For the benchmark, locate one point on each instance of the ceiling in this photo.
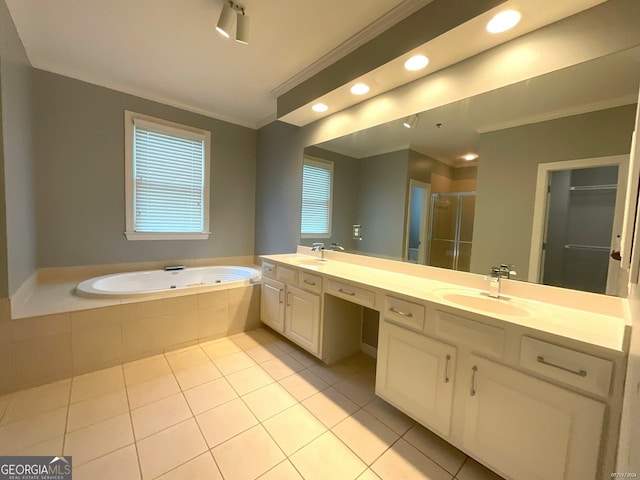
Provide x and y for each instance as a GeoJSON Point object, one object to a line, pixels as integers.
{"type": "Point", "coordinates": [169, 51]}
{"type": "Point", "coordinates": [605, 82]}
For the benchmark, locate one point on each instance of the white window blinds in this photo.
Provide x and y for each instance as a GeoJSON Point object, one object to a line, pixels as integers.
{"type": "Point", "coordinates": [316, 198]}
{"type": "Point", "coordinates": [169, 183]}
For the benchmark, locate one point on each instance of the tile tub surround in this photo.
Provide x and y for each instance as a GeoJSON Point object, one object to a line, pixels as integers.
{"type": "Point", "coordinates": [44, 348]}
{"type": "Point", "coordinates": [179, 415]}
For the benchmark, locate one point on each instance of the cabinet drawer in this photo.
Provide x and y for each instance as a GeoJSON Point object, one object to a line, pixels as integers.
{"type": "Point", "coordinates": [269, 269]}
{"type": "Point", "coordinates": [287, 275]}
{"type": "Point", "coordinates": [574, 368]}
{"type": "Point", "coordinates": [404, 313]}
{"type": "Point", "coordinates": [352, 293]}
{"type": "Point", "coordinates": [311, 283]}
{"type": "Point", "coordinates": [478, 336]}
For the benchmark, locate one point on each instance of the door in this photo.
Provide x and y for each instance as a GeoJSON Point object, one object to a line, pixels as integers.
{"type": "Point", "coordinates": [302, 324]}
{"type": "Point", "coordinates": [563, 428]}
{"type": "Point", "coordinates": [417, 221]}
{"type": "Point", "coordinates": [272, 304]}
{"type": "Point", "coordinates": [416, 374]}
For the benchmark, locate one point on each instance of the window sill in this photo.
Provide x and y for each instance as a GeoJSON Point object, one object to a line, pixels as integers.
{"type": "Point", "coordinates": [166, 236]}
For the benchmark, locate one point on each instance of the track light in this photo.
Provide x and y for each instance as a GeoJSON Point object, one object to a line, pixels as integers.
{"type": "Point", "coordinates": [411, 121]}
{"type": "Point", "coordinates": [225, 22]}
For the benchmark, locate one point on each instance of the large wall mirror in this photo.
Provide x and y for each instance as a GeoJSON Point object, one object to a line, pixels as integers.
{"type": "Point", "coordinates": [554, 147]}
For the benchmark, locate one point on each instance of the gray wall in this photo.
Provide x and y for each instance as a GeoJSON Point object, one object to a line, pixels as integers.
{"type": "Point", "coordinates": [80, 209]}
{"type": "Point", "coordinates": [507, 172]}
{"type": "Point", "coordinates": [18, 255]}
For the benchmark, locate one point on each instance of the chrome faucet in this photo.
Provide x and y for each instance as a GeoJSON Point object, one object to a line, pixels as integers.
{"type": "Point", "coordinates": [319, 247]}
{"type": "Point", "coordinates": [337, 246]}
{"type": "Point", "coordinates": [503, 271]}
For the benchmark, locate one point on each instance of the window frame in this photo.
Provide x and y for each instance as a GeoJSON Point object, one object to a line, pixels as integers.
{"type": "Point", "coordinates": [170, 128]}
{"type": "Point", "coordinates": [328, 165]}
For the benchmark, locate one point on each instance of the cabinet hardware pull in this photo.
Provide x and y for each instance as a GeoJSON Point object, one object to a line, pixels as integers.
{"type": "Point", "coordinates": [446, 368]}
{"type": "Point", "coordinates": [268, 269]}
{"type": "Point", "coordinates": [582, 373]}
{"type": "Point", "coordinates": [398, 312]}
{"type": "Point", "coordinates": [280, 292]}
{"type": "Point", "coordinates": [474, 369]}
{"type": "Point", "coordinates": [353, 294]}
{"type": "Point", "coordinates": [308, 282]}
{"type": "Point", "coordinates": [288, 299]}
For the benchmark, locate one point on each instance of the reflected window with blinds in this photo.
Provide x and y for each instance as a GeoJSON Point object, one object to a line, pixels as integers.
{"type": "Point", "coordinates": [167, 179]}
{"type": "Point", "coordinates": [317, 183]}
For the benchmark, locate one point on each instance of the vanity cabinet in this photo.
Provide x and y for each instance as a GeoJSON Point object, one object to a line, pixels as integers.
{"type": "Point", "coordinates": [529, 429]}
{"type": "Point", "coordinates": [416, 374]}
{"type": "Point", "coordinates": [302, 319]}
{"type": "Point", "coordinates": [272, 307]}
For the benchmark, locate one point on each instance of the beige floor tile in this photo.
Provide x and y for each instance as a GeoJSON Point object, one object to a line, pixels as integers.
{"type": "Point", "coordinates": [330, 406]}
{"type": "Point", "coordinates": [170, 448]}
{"type": "Point", "coordinates": [283, 471]}
{"type": "Point", "coordinates": [234, 363]}
{"type": "Point", "coordinates": [97, 383]}
{"type": "Point", "coordinates": [249, 379]}
{"type": "Point", "coordinates": [365, 435]}
{"type": "Point", "coordinates": [159, 415]}
{"type": "Point", "coordinates": [187, 357]}
{"type": "Point", "coordinates": [389, 415]}
{"type": "Point", "coordinates": [34, 401]}
{"type": "Point", "coordinates": [122, 463]}
{"type": "Point", "coordinates": [201, 467]}
{"type": "Point", "coordinates": [303, 357]}
{"type": "Point", "coordinates": [48, 447]}
{"type": "Point", "coordinates": [226, 421]}
{"type": "Point", "coordinates": [32, 431]}
{"type": "Point", "coordinates": [209, 395]}
{"type": "Point", "coordinates": [295, 419]}
{"type": "Point", "coordinates": [99, 439]}
{"type": "Point", "coordinates": [361, 363]}
{"type": "Point", "coordinates": [264, 353]}
{"type": "Point", "coordinates": [149, 391]}
{"type": "Point", "coordinates": [232, 456]}
{"type": "Point", "coordinates": [268, 401]}
{"type": "Point", "coordinates": [332, 373]}
{"type": "Point", "coordinates": [358, 388]}
{"type": "Point", "coordinates": [327, 457]}
{"type": "Point", "coordinates": [220, 348]}
{"type": "Point", "coordinates": [404, 461]}
{"type": "Point", "coordinates": [282, 367]}
{"type": "Point", "coordinates": [472, 470]}
{"type": "Point", "coordinates": [146, 369]}
{"type": "Point", "coordinates": [97, 409]}
{"type": "Point", "coordinates": [434, 447]}
{"type": "Point", "coordinates": [248, 340]}
{"type": "Point", "coordinates": [368, 475]}
{"type": "Point", "coordinates": [195, 375]}
{"type": "Point", "coordinates": [5, 403]}
{"type": "Point", "coordinates": [303, 384]}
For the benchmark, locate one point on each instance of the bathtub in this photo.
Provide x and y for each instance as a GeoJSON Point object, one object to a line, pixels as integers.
{"type": "Point", "coordinates": [153, 282]}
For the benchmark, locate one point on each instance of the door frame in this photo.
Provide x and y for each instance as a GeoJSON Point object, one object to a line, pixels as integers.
{"type": "Point", "coordinates": [540, 206]}
{"type": "Point", "coordinates": [424, 217]}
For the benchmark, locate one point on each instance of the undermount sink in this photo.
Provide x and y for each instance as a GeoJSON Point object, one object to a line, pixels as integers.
{"type": "Point", "coordinates": [483, 302]}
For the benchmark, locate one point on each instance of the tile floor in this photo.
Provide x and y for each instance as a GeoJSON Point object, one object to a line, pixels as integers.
{"type": "Point", "coordinates": [244, 407]}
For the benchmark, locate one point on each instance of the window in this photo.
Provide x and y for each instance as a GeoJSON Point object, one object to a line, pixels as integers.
{"type": "Point", "coordinates": [167, 179]}
{"type": "Point", "coordinates": [317, 180]}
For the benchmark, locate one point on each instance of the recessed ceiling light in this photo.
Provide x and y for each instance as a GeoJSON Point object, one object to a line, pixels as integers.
{"type": "Point", "coordinates": [320, 107]}
{"type": "Point", "coordinates": [469, 157]}
{"type": "Point", "coordinates": [417, 62]}
{"type": "Point", "coordinates": [503, 21]}
{"type": "Point", "coordinates": [360, 89]}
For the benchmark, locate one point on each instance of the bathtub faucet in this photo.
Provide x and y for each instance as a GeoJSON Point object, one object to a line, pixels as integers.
{"type": "Point", "coordinates": [171, 268]}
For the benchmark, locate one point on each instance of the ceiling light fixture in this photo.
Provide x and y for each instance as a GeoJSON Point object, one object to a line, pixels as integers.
{"type": "Point", "coordinates": [417, 62]}
{"type": "Point", "coordinates": [503, 21]}
{"type": "Point", "coordinates": [411, 121]}
{"type": "Point", "coordinates": [469, 157]}
{"type": "Point", "coordinates": [319, 107]}
{"type": "Point", "coordinates": [225, 22]}
{"type": "Point", "coordinates": [360, 89]}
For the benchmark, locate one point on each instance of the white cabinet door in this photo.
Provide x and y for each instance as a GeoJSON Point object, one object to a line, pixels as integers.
{"type": "Point", "coordinates": [416, 374]}
{"type": "Point", "coordinates": [272, 304]}
{"type": "Point", "coordinates": [302, 323]}
{"type": "Point", "coordinates": [528, 429]}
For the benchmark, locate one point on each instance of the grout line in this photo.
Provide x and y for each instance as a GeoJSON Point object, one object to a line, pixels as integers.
{"type": "Point", "coordinates": [133, 431]}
